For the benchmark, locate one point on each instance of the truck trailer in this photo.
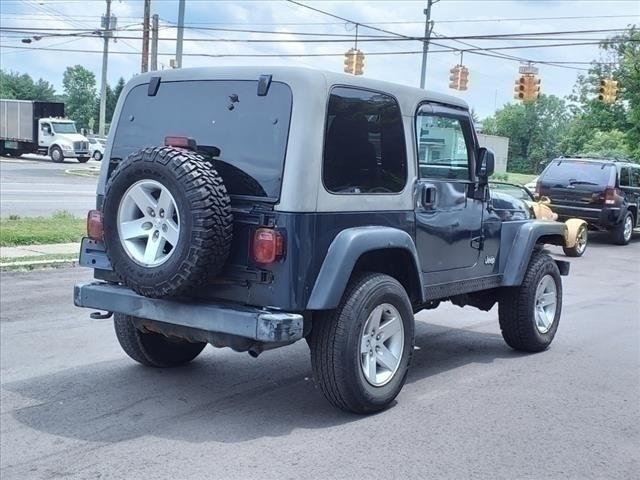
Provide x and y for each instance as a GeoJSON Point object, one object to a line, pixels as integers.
{"type": "Point", "coordinates": [40, 127]}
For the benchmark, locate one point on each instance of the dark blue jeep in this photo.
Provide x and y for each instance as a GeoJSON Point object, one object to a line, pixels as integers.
{"type": "Point", "coordinates": [253, 207]}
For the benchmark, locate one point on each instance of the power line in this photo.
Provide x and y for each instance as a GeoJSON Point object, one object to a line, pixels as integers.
{"type": "Point", "coordinates": [274, 55]}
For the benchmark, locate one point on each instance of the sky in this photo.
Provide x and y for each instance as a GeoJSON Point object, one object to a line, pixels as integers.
{"type": "Point", "coordinates": [491, 79]}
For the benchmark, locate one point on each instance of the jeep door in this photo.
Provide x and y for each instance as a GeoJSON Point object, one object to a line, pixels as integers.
{"type": "Point", "coordinates": [448, 218]}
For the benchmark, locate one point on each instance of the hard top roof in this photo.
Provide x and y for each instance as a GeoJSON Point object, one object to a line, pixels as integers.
{"type": "Point", "coordinates": [301, 75]}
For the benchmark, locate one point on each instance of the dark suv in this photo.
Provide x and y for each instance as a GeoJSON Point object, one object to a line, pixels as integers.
{"type": "Point", "coordinates": [603, 192]}
{"type": "Point", "coordinates": [253, 207]}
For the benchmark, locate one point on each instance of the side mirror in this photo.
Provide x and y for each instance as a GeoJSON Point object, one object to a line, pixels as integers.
{"type": "Point", "coordinates": [486, 164]}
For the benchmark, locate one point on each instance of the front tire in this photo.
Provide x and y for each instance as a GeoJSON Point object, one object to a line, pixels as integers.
{"type": "Point", "coordinates": [622, 233]}
{"type": "Point", "coordinates": [97, 156]}
{"type": "Point", "coordinates": [56, 155]}
{"type": "Point", "coordinates": [361, 351]}
{"type": "Point", "coordinates": [582, 240]}
{"type": "Point", "coordinates": [153, 349]}
{"type": "Point", "coordinates": [529, 314]}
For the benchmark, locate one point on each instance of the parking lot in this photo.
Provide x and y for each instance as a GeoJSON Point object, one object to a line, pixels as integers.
{"type": "Point", "coordinates": [74, 406]}
{"type": "Point", "coordinates": [69, 186]}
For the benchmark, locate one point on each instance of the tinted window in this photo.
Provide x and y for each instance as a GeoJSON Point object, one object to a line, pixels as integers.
{"type": "Point", "coordinates": [575, 172]}
{"type": "Point", "coordinates": [625, 180]}
{"type": "Point", "coordinates": [635, 177]}
{"type": "Point", "coordinates": [515, 191]}
{"type": "Point", "coordinates": [249, 131]}
{"type": "Point", "coordinates": [364, 149]}
{"type": "Point", "coordinates": [442, 151]}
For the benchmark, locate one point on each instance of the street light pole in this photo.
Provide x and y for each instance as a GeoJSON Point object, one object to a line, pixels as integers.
{"type": "Point", "coordinates": [180, 33]}
{"type": "Point", "coordinates": [428, 27]}
{"type": "Point", "coordinates": [106, 33]}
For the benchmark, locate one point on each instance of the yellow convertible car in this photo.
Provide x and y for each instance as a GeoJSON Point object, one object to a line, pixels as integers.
{"type": "Point", "coordinates": [514, 201]}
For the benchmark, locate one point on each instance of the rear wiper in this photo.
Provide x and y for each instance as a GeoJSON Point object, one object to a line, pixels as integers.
{"type": "Point", "coordinates": [581, 182]}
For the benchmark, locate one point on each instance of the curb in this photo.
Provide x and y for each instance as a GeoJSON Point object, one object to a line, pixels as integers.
{"type": "Point", "coordinates": [38, 264]}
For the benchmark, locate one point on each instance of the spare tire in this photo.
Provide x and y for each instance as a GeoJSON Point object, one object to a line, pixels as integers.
{"type": "Point", "coordinates": [167, 221]}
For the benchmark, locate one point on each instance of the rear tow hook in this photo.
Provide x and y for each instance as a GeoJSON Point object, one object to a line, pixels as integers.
{"type": "Point", "coordinates": [100, 316]}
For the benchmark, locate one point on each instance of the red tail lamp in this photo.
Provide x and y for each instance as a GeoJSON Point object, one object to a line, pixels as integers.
{"type": "Point", "coordinates": [95, 228]}
{"type": "Point", "coordinates": [611, 196]}
{"type": "Point", "coordinates": [267, 246]}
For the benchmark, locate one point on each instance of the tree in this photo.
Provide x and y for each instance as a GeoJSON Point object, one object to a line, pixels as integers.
{"type": "Point", "coordinates": [112, 100]}
{"type": "Point", "coordinates": [22, 87]}
{"type": "Point", "coordinates": [80, 94]}
{"type": "Point", "coordinates": [594, 119]}
{"type": "Point", "coordinates": [534, 131]}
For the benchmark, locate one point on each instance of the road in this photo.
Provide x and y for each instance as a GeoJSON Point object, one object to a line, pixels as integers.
{"type": "Point", "coordinates": [73, 406]}
{"type": "Point", "coordinates": [35, 186]}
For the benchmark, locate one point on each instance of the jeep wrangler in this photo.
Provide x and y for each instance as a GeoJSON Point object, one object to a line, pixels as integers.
{"type": "Point", "coordinates": [253, 207]}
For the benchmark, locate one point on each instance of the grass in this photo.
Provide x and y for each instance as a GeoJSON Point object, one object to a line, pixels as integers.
{"type": "Point", "coordinates": [61, 227]}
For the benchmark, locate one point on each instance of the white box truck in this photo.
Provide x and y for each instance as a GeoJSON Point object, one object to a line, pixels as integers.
{"type": "Point", "coordinates": [40, 127]}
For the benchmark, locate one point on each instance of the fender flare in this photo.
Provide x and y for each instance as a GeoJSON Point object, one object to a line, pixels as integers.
{"type": "Point", "coordinates": [343, 253]}
{"type": "Point", "coordinates": [518, 243]}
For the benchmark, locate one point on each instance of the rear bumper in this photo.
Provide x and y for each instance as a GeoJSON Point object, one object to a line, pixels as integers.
{"type": "Point", "coordinates": [600, 217]}
{"type": "Point", "coordinates": [256, 324]}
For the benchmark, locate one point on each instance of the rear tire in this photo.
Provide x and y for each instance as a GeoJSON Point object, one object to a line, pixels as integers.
{"type": "Point", "coordinates": [351, 378]}
{"type": "Point", "coordinates": [56, 155]}
{"type": "Point", "coordinates": [581, 243]}
{"type": "Point", "coordinates": [524, 327]}
{"type": "Point", "coordinates": [83, 159]}
{"type": "Point", "coordinates": [621, 234]}
{"type": "Point", "coordinates": [153, 349]}
{"type": "Point", "coordinates": [202, 224]}
{"type": "Point", "coordinates": [97, 156]}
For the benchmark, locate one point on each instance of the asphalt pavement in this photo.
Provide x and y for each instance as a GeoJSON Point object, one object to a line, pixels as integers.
{"type": "Point", "coordinates": [35, 186]}
{"type": "Point", "coordinates": [74, 406]}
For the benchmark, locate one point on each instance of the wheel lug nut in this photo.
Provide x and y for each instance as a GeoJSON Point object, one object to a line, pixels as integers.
{"type": "Point", "coordinates": [378, 337]}
{"type": "Point", "coordinates": [371, 353]}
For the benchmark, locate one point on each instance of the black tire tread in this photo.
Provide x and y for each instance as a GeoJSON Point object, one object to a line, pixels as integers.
{"type": "Point", "coordinates": [210, 241]}
{"type": "Point", "coordinates": [515, 307]}
{"type": "Point", "coordinates": [330, 371]}
{"type": "Point", "coordinates": [617, 232]}
{"type": "Point", "coordinates": [152, 349]}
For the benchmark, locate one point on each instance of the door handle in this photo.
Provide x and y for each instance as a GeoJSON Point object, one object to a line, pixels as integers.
{"type": "Point", "coordinates": [428, 196]}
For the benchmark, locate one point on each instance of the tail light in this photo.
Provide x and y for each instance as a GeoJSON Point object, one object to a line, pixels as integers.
{"type": "Point", "coordinates": [95, 229]}
{"type": "Point", "coordinates": [267, 246]}
{"type": "Point", "coordinates": [611, 196]}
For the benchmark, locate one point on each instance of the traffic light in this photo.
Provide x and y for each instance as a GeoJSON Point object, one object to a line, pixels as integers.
{"type": "Point", "coordinates": [354, 62]}
{"type": "Point", "coordinates": [519, 91]}
{"type": "Point", "coordinates": [527, 88]}
{"type": "Point", "coordinates": [464, 78]}
{"type": "Point", "coordinates": [459, 77]}
{"type": "Point", "coordinates": [608, 91]}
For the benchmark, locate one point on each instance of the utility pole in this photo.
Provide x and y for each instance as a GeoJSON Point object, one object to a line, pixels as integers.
{"type": "Point", "coordinates": [145, 37]}
{"type": "Point", "coordinates": [106, 33]}
{"type": "Point", "coordinates": [155, 19]}
{"type": "Point", "coordinates": [428, 27]}
{"type": "Point", "coordinates": [180, 33]}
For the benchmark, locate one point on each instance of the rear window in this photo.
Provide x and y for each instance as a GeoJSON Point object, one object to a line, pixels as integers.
{"type": "Point", "coordinates": [568, 172]}
{"type": "Point", "coordinates": [250, 131]}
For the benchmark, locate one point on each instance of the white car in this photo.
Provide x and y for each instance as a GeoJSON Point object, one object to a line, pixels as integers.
{"type": "Point", "coordinates": [96, 147]}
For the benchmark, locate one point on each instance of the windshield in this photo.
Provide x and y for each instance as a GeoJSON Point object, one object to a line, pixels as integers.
{"type": "Point", "coordinates": [64, 127]}
{"type": "Point", "coordinates": [515, 191]}
{"type": "Point", "coordinates": [578, 172]}
{"type": "Point", "coordinates": [243, 134]}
